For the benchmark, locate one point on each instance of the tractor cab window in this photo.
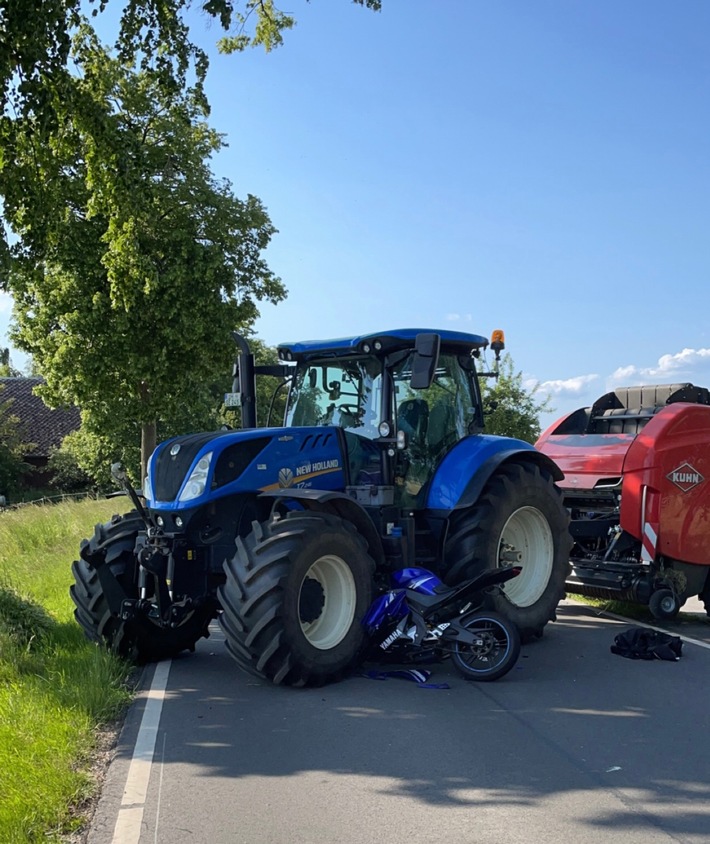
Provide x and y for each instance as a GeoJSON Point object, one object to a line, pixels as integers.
{"type": "Point", "coordinates": [443, 413]}
{"type": "Point", "coordinates": [342, 393]}
{"type": "Point", "coordinates": [432, 419]}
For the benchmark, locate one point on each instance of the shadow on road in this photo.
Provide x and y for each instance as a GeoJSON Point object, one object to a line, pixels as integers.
{"type": "Point", "coordinates": [571, 720]}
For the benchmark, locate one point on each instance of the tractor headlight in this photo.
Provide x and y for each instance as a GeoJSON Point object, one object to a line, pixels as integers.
{"type": "Point", "coordinates": [197, 482]}
{"type": "Point", "coordinates": [147, 488]}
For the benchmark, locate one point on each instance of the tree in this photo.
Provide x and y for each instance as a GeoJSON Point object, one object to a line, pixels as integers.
{"type": "Point", "coordinates": [83, 460]}
{"type": "Point", "coordinates": [133, 270]}
{"type": "Point", "coordinates": [12, 466]}
{"type": "Point", "coordinates": [7, 370]}
{"type": "Point", "coordinates": [38, 92]}
{"type": "Point", "coordinates": [66, 473]}
{"type": "Point", "coordinates": [509, 409]}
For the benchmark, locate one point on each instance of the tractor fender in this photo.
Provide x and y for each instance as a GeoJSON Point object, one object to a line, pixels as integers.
{"type": "Point", "coordinates": [467, 468]}
{"type": "Point", "coordinates": [340, 505]}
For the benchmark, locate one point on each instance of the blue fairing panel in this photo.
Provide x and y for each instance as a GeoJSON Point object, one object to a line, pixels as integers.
{"type": "Point", "coordinates": [298, 458]}
{"type": "Point", "coordinates": [465, 459]}
{"type": "Point", "coordinates": [302, 458]}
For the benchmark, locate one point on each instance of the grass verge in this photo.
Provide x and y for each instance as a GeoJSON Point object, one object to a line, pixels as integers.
{"type": "Point", "coordinates": [56, 689]}
{"type": "Point", "coordinates": [638, 612]}
{"type": "Point", "coordinates": [634, 612]}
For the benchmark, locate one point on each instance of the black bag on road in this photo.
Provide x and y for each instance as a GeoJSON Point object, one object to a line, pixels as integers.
{"type": "Point", "coordinates": [642, 643]}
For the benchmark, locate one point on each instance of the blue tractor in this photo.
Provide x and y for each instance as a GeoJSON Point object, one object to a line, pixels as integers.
{"type": "Point", "coordinates": [287, 533]}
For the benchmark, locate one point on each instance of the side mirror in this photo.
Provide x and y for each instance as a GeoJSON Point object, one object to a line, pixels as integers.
{"type": "Point", "coordinates": [118, 473]}
{"type": "Point", "coordinates": [426, 359]}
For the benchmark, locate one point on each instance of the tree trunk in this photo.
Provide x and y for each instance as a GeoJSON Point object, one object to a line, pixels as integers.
{"type": "Point", "coordinates": [148, 444]}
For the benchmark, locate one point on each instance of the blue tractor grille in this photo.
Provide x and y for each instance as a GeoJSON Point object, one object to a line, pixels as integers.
{"type": "Point", "coordinates": [170, 470]}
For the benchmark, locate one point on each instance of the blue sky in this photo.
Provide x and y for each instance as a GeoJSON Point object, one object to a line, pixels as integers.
{"type": "Point", "coordinates": [538, 167]}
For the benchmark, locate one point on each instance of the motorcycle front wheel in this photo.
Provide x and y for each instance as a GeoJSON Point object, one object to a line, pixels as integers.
{"type": "Point", "coordinates": [495, 652]}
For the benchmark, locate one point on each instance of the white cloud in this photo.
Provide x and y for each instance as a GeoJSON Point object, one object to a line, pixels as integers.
{"type": "Point", "coordinates": [678, 366]}
{"type": "Point", "coordinates": [458, 317]}
{"type": "Point", "coordinates": [581, 391]}
{"type": "Point", "coordinates": [621, 375]}
{"type": "Point", "coordinates": [685, 361]}
{"type": "Point", "coordinates": [5, 303]}
{"type": "Point", "coordinates": [569, 386]}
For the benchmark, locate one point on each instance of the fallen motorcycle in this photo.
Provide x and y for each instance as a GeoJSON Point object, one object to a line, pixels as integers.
{"type": "Point", "coordinates": [422, 620]}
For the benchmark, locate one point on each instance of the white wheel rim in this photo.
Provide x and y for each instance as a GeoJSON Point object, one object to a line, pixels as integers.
{"type": "Point", "coordinates": [526, 540]}
{"type": "Point", "coordinates": [340, 598]}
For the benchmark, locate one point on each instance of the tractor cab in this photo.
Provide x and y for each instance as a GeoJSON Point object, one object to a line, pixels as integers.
{"type": "Point", "coordinates": [400, 399]}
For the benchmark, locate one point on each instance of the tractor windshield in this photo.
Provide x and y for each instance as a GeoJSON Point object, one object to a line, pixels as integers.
{"type": "Point", "coordinates": [337, 392]}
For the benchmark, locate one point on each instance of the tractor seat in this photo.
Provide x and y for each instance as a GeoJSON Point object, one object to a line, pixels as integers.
{"type": "Point", "coordinates": [413, 419]}
{"type": "Point", "coordinates": [442, 427]}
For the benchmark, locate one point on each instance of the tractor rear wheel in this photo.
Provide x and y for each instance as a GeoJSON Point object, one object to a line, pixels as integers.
{"type": "Point", "coordinates": [519, 519]}
{"type": "Point", "coordinates": [139, 639]}
{"type": "Point", "coordinates": [294, 597]}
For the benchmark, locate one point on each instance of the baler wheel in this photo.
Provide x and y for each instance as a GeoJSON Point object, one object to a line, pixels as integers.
{"type": "Point", "coordinates": [664, 604]}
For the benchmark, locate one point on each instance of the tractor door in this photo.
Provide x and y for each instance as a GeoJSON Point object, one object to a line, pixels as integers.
{"type": "Point", "coordinates": [432, 419]}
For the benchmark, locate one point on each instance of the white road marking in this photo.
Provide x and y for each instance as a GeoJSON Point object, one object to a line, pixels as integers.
{"type": "Point", "coordinates": [130, 815]}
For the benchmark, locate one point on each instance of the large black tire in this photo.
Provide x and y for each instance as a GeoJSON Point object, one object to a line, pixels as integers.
{"type": "Point", "coordinates": [519, 518]}
{"type": "Point", "coordinates": [294, 597]}
{"type": "Point", "coordinates": [139, 640]}
{"type": "Point", "coordinates": [496, 655]}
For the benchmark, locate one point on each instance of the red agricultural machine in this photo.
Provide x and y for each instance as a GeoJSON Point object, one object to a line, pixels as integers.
{"type": "Point", "coordinates": [637, 486]}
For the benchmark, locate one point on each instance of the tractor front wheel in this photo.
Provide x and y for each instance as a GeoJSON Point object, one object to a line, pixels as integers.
{"type": "Point", "coordinates": [294, 596]}
{"type": "Point", "coordinates": [518, 520]}
{"type": "Point", "coordinates": [139, 639]}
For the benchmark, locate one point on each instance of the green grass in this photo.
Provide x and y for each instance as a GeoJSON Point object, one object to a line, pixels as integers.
{"type": "Point", "coordinates": [634, 612]}
{"type": "Point", "coordinates": [56, 688]}
{"type": "Point", "coordinates": [638, 612]}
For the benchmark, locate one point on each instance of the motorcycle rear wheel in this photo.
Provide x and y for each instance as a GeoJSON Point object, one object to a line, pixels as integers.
{"type": "Point", "coordinates": [497, 652]}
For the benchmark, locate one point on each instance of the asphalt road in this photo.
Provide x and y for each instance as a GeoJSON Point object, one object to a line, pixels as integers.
{"type": "Point", "coordinates": [574, 745]}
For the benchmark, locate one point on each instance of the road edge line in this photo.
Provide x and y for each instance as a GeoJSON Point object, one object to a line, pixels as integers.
{"type": "Point", "coordinates": [130, 814]}
{"type": "Point", "coordinates": [635, 623]}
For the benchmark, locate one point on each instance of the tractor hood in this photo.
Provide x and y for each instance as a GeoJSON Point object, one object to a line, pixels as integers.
{"type": "Point", "coordinates": [186, 472]}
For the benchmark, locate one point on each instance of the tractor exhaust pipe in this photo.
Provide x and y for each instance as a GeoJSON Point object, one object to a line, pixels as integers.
{"type": "Point", "coordinates": [244, 381]}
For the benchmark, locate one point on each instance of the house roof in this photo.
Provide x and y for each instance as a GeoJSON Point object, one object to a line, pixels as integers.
{"type": "Point", "coordinates": [40, 427]}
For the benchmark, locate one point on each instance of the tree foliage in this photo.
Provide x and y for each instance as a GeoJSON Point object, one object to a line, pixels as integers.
{"type": "Point", "coordinates": [66, 474]}
{"type": "Point", "coordinates": [37, 40]}
{"type": "Point", "coordinates": [131, 263]}
{"type": "Point", "coordinates": [509, 408]}
{"type": "Point", "coordinates": [7, 370]}
{"type": "Point", "coordinates": [133, 270]}
{"type": "Point", "coordinates": [12, 466]}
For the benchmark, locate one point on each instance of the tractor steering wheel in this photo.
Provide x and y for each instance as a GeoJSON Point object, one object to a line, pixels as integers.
{"type": "Point", "coordinates": [350, 409]}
